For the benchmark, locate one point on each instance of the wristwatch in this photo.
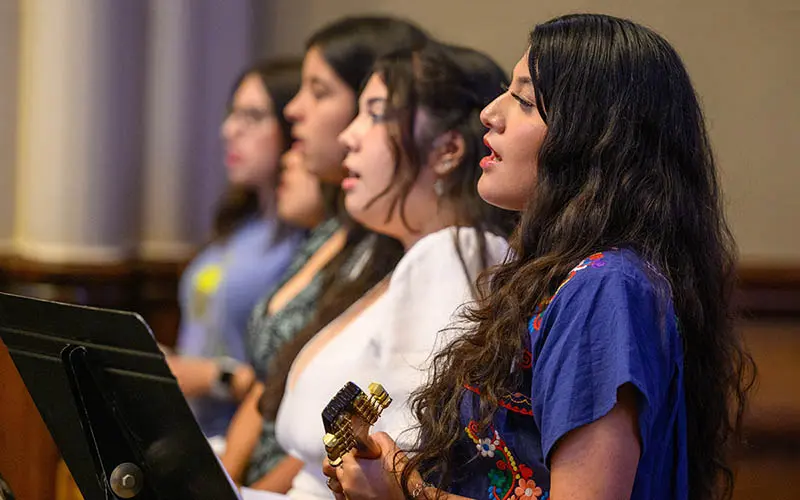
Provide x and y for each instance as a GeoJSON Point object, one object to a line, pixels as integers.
{"type": "Point", "coordinates": [222, 387]}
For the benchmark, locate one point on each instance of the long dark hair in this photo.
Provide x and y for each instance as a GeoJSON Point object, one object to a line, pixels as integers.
{"type": "Point", "coordinates": [626, 162]}
{"type": "Point", "coordinates": [281, 78]}
{"type": "Point", "coordinates": [350, 46]}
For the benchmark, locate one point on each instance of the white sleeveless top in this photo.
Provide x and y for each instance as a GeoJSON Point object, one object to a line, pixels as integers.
{"type": "Point", "coordinates": [390, 342]}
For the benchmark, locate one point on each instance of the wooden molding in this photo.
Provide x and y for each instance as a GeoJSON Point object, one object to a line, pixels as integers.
{"type": "Point", "coordinates": [785, 275]}
{"type": "Point", "coordinates": [18, 268]}
{"type": "Point", "coordinates": [765, 291]}
{"type": "Point", "coordinates": [148, 288]}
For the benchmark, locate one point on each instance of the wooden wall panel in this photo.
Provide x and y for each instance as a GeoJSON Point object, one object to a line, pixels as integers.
{"type": "Point", "coordinates": [28, 456]}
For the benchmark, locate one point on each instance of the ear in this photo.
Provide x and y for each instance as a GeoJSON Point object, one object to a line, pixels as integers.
{"type": "Point", "coordinates": [447, 153]}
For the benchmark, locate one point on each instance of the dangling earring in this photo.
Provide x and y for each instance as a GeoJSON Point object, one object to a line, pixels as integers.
{"type": "Point", "coordinates": [438, 187]}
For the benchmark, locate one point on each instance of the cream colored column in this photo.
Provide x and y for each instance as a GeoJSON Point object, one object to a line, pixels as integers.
{"type": "Point", "coordinates": [195, 50]}
{"type": "Point", "coordinates": [80, 128]}
{"type": "Point", "coordinates": [9, 58]}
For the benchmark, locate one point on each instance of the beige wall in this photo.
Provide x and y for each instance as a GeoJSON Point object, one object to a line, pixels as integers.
{"type": "Point", "coordinates": [742, 55]}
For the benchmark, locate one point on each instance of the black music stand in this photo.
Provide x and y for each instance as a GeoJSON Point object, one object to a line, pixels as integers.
{"type": "Point", "coordinates": [110, 402]}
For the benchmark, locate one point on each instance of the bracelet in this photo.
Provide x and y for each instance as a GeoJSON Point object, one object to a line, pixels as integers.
{"type": "Point", "coordinates": [420, 488]}
{"type": "Point", "coordinates": [221, 387]}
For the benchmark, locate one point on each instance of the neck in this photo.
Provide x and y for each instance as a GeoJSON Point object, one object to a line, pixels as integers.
{"type": "Point", "coordinates": [267, 201]}
{"type": "Point", "coordinates": [444, 216]}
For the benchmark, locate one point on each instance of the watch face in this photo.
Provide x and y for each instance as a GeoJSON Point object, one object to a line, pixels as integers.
{"type": "Point", "coordinates": [227, 367]}
{"type": "Point", "coordinates": [226, 377]}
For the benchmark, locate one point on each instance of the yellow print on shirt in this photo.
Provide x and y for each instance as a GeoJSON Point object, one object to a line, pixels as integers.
{"type": "Point", "coordinates": [204, 286]}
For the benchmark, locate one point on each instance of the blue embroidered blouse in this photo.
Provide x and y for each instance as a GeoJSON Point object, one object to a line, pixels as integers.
{"type": "Point", "coordinates": [610, 323]}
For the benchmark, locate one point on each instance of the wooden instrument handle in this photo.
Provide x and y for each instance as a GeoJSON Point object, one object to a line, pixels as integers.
{"type": "Point", "coordinates": [366, 447]}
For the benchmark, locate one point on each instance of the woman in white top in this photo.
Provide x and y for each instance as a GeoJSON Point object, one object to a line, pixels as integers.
{"type": "Point", "coordinates": [413, 170]}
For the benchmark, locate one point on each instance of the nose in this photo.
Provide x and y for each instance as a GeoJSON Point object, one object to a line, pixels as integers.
{"type": "Point", "coordinates": [228, 128]}
{"type": "Point", "coordinates": [293, 109]}
{"type": "Point", "coordinates": [347, 137]}
{"type": "Point", "coordinates": [490, 115]}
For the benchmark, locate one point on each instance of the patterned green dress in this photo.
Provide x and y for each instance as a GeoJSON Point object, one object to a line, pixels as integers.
{"type": "Point", "coordinates": [267, 333]}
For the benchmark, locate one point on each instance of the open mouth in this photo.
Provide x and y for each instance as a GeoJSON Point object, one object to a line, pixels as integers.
{"type": "Point", "coordinates": [297, 141]}
{"type": "Point", "coordinates": [493, 156]}
{"type": "Point", "coordinates": [350, 180]}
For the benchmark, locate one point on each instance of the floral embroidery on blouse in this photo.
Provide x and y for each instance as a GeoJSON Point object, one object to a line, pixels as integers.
{"type": "Point", "coordinates": [593, 261]}
{"type": "Point", "coordinates": [526, 362]}
{"type": "Point", "coordinates": [517, 402]}
{"type": "Point", "coordinates": [508, 480]}
{"type": "Point", "coordinates": [528, 490]}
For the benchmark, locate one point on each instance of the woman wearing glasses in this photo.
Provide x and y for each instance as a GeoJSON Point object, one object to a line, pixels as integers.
{"type": "Point", "coordinates": [250, 250]}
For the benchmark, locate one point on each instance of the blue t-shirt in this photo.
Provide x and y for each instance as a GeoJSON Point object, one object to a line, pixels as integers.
{"type": "Point", "coordinates": [217, 293]}
{"type": "Point", "coordinates": [610, 323]}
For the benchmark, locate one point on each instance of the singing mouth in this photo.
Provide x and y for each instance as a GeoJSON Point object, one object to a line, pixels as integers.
{"type": "Point", "coordinates": [494, 156]}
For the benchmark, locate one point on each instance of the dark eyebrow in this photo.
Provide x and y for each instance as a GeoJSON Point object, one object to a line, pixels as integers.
{"type": "Point", "coordinates": [524, 80]}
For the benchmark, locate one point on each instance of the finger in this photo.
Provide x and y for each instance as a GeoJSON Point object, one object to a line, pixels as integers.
{"type": "Point", "coordinates": [348, 469]}
{"type": "Point", "coordinates": [393, 458]}
{"type": "Point", "coordinates": [385, 442]}
{"type": "Point", "coordinates": [369, 449]}
{"type": "Point", "coordinates": [348, 461]}
{"type": "Point", "coordinates": [328, 469]}
{"type": "Point", "coordinates": [377, 445]}
{"type": "Point", "coordinates": [335, 486]}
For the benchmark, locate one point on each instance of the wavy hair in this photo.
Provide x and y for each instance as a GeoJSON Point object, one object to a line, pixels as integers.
{"type": "Point", "coordinates": [626, 162]}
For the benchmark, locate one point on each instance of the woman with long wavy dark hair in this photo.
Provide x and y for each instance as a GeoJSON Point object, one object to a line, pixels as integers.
{"type": "Point", "coordinates": [601, 362]}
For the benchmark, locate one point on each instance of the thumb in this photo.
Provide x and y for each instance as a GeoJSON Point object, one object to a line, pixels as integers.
{"type": "Point", "coordinates": [393, 458]}
{"type": "Point", "coordinates": [385, 442]}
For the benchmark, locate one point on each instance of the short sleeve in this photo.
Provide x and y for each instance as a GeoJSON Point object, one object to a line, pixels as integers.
{"type": "Point", "coordinates": [606, 327]}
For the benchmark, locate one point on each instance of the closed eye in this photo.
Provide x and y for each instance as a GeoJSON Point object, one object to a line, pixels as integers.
{"type": "Point", "coordinates": [521, 100]}
{"type": "Point", "coordinates": [376, 109]}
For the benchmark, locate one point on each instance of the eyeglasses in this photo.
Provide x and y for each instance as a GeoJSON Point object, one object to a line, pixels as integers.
{"type": "Point", "coordinates": [249, 117]}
